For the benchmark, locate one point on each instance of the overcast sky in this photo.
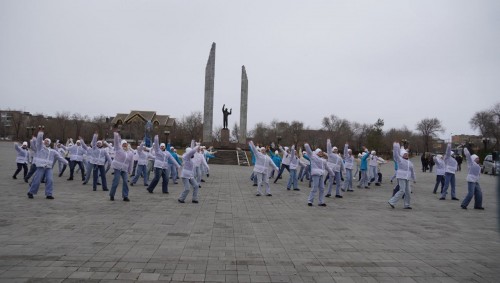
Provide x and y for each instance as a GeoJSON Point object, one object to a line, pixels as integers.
{"type": "Point", "coordinates": [398, 60]}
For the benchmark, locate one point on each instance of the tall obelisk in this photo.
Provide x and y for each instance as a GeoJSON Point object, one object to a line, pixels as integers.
{"type": "Point", "coordinates": [243, 106]}
{"type": "Point", "coordinates": [208, 114]}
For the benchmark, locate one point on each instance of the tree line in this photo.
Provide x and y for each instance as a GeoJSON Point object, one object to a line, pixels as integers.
{"type": "Point", "coordinates": [66, 125]}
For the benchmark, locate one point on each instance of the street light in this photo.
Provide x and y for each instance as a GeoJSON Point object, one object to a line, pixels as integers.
{"type": "Point", "coordinates": [405, 143]}
{"type": "Point", "coordinates": [30, 130]}
{"type": "Point", "coordinates": [486, 141]}
{"type": "Point", "coordinates": [167, 134]}
{"type": "Point", "coordinates": [279, 140]}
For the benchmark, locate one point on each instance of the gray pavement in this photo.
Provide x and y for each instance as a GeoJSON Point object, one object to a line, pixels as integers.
{"type": "Point", "coordinates": [234, 236]}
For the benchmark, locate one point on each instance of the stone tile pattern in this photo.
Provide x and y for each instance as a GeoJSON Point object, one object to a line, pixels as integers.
{"type": "Point", "coordinates": [234, 236]}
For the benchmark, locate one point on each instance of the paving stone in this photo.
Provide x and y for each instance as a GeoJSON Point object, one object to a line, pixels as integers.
{"type": "Point", "coordinates": [232, 236]}
{"type": "Point", "coordinates": [149, 276]}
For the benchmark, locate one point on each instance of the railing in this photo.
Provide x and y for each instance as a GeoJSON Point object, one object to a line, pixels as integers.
{"type": "Point", "coordinates": [242, 157]}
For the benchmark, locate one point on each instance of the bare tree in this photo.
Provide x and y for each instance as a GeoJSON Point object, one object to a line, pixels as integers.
{"type": "Point", "coordinates": [136, 130]}
{"type": "Point", "coordinates": [495, 131]}
{"type": "Point", "coordinates": [216, 134]}
{"type": "Point", "coordinates": [17, 122]}
{"type": "Point", "coordinates": [274, 131]}
{"type": "Point", "coordinates": [62, 120]}
{"type": "Point", "coordinates": [101, 125]}
{"type": "Point", "coordinates": [331, 123]}
{"type": "Point", "coordinates": [235, 132]}
{"type": "Point", "coordinates": [78, 121]}
{"type": "Point", "coordinates": [340, 129]}
{"type": "Point", "coordinates": [481, 121]}
{"type": "Point", "coordinates": [38, 119]}
{"type": "Point", "coordinates": [360, 133]}
{"type": "Point", "coordinates": [396, 135]}
{"type": "Point", "coordinates": [296, 128]}
{"type": "Point", "coordinates": [192, 126]}
{"type": "Point", "coordinates": [261, 133]}
{"type": "Point", "coordinates": [488, 123]}
{"type": "Point", "coordinates": [429, 127]}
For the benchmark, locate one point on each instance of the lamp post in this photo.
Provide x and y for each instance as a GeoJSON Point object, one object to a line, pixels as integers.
{"type": "Point", "coordinates": [279, 140]}
{"type": "Point", "coordinates": [30, 130]}
{"type": "Point", "coordinates": [486, 141]}
{"type": "Point", "coordinates": [167, 134]}
{"type": "Point", "coordinates": [405, 143]}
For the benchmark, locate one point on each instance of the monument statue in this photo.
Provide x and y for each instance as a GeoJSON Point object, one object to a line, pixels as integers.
{"type": "Point", "coordinates": [225, 113]}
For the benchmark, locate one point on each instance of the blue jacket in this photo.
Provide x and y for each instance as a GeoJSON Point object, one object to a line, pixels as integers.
{"type": "Point", "coordinates": [364, 161]}
{"type": "Point", "coordinates": [276, 159]}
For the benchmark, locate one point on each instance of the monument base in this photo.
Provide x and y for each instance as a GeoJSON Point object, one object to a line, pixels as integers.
{"type": "Point", "coordinates": [224, 142]}
{"type": "Point", "coordinates": [224, 136]}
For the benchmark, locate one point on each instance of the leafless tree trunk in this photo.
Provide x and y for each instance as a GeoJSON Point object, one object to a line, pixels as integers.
{"type": "Point", "coordinates": [429, 127]}
{"type": "Point", "coordinates": [235, 133]}
{"type": "Point", "coordinates": [18, 123]}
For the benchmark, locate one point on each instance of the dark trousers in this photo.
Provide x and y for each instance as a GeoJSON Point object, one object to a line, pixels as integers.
{"type": "Point", "coordinates": [439, 180]}
{"type": "Point", "coordinates": [282, 168]}
{"type": "Point", "coordinates": [133, 169]}
{"type": "Point", "coordinates": [31, 172]}
{"type": "Point", "coordinates": [72, 166]}
{"type": "Point", "coordinates": [64, 167]}
{"type": "Point", "coordinates": [19, 167]}
{"type": "Point", "coordinates": [99, 170]}
{"type": "Point", "coordinates": [159, 172]}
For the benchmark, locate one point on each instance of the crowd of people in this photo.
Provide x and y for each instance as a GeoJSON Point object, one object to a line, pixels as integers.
{"type": "Point", "coordinates": [428, 161]}
{"type": "Point", "coordinates": [96, 159]}
{"type": "Point", "coordinates": [319, 168]}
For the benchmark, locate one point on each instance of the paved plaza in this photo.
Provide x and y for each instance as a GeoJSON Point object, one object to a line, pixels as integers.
{"type": "Point", "coordinates": [234, 236]}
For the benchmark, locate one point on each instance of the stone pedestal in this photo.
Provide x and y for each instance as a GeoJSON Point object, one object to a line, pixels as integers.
{"type": "Point", "coordinates": [224, 136]}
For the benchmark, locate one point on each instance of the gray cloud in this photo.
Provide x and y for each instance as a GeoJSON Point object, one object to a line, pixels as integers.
{"type": "Point", "coordinates": [401, 61]}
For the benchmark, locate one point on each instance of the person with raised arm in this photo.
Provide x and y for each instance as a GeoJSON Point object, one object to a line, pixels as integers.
{"type": "Point", "coordinates": [474, 189]}
{"type": "Point", "coordinates": [187, 174]}
{"type": "Point", "coordinates": [200, 165]}
{"type": "Point", "coordinates": [122, 166]}
{"type": "Point", "coordinates": [285, 161]}
{"type": "Point", "coordinates": [162, 156]}
{"type": "Point", "coordinates": [261, 168]}
{"type": "Point", "coordinates": [363, 166]}
{"type": "Point", "coordinates": [294, 164]}
{"type": "Point", "coordinates": [318, 166]}
{"type": "Point", "coordinates": [404, 175]}
{"type": "Point", "coordinates": [451, 166]}
{"type": "Point", "coordinates": [75, 153]}
{"type": "Point", "coordinates": [32, 152]}
{"type": "Point", "coordinates": [142, 163]}
{"type": "Point", "coordinates": [44, 161]}
{"type": "Point", "coordinates": [440, 170]}
{"type": "Point", "coordinates": [348, 165]}
{"type": "Point", "coordinates": [174, 171]}
{"type": "Point", "coordinates": [336, 164]}
{"type": "Point", "coordinates": [99, 157]}
{"type": "Point", "coordinates": [21, 159]}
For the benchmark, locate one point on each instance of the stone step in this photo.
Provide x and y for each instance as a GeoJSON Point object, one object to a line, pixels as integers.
{"type": "Point", "coordinates": [225, 157]}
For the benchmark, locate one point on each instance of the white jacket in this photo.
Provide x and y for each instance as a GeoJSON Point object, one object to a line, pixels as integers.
{"type": "Point", "coordinates": [318, 164]}
{"type": "Point", "coordinates": [22, 154]}
{"type": "Point", "coordinates": [262, 161]}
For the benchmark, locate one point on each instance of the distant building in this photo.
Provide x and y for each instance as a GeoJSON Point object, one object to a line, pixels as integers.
{"type": "Point", "coordinates": [132, 125]}
{"type": "Point", "coordinates": [13, 124]}
{"type": "Point", "coordinates": [458, 142]}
